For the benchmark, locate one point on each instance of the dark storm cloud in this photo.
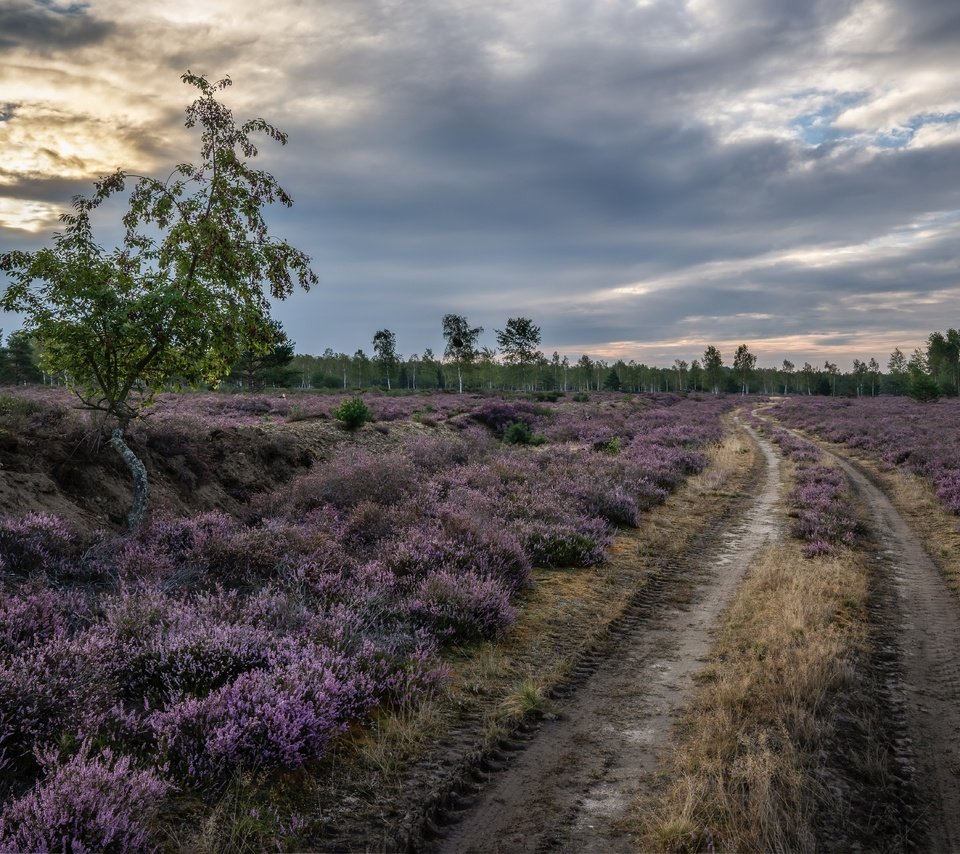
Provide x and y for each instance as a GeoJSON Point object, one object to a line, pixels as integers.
{"type": "Point", "coordinates": [46, 26]}
{"type": "Point", "coordinates": [505, 159]}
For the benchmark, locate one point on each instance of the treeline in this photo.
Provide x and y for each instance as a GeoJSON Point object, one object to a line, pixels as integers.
{"type": "Point", "coordinates": [517, 363]}
{"type": "Point", "coordinates": [927, 374]}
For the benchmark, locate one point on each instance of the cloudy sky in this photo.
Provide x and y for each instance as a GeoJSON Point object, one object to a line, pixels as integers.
{"type": "Point", "coordinates": [640, 177]}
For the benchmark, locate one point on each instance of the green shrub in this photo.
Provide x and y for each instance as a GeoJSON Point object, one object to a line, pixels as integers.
{"type": "Point", "coordinates": [581, 397]}
{"type": "Point", "coordinates": [611, 446]}
{"type": "Point", "coordinates": [519, 433]}
{"type": "Point", "coordinates": [353, 413]}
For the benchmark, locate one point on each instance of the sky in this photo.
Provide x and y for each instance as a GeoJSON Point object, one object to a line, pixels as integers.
{"type": "Point", "coordinates": [640, 178]}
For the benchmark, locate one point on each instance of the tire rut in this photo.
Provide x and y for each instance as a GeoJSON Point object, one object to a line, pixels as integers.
{"type": "Point", "coordinates": [925, 621]}
{"type": "Point", "coordinates": [571, 788]}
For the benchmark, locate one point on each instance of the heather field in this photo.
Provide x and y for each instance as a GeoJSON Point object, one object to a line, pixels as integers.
{"type": "Point", "coordinates": [141, 671]}
{"type": "Point", "coordinates": [897, 432]}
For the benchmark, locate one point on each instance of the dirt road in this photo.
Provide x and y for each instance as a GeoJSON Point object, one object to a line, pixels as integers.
{"type": "Point", "coordinates": [928, 637]}
{"type": "Point", "coordinates": [572, 787]}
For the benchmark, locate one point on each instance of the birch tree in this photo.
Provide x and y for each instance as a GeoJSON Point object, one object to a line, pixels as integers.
{"type": "Point", "coordinates": [183, 295]}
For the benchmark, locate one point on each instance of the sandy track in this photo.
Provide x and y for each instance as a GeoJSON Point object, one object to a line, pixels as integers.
{"type": "Point", "coordinates": [929, 646]}
{"type": "Point", "coordinates": [573, 786]}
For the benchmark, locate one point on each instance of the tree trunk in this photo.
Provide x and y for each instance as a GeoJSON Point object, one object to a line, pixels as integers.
{"type": "Point", "coordinates": [139, 473]}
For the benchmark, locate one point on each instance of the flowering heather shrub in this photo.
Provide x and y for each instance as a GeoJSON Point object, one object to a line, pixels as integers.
{"type": "Point", "coordinates": [191, 661]}
{"type": "Point", "coordinates": [460, 605]}
{"type": "Point", "coordinates": [458, 544]}
{"type": "Point", "coordinates": [948, 489]}
{"type": "Point", "coordinates": [665, 466]}
{"type": "Point", "coordinates": [215, 549]}
{"type": "Point", "coordinates": [792, 446]}
{"type": "Point", "coordinates": [50, 691]}
{"type": "Point", "coordinates": [432, 454]}
{"type": "Point", "coordinates": [366, 524]}
{"type": "Point", "coordinates": [271, 719]}
{"type": "Point", "coordinates": [33, 617]}
{"type": "Point", "coordinates": [37, 542]}
{"type": "Point", "coordinates": [352, 477]}
{"type": "Point", "coordinates": [567, 545]}
{"type": "Point", "coordinates": [823, 514]}
{"type": "Point", "coordinates": [89, 803]}
{"type": "Point", "coordinates": [498, 414]}
{"type": "Point", "coordinates": [613, 503]}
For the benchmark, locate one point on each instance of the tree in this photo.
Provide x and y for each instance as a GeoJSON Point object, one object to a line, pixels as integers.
{"type": "Point", "coordinates": [487, 358]}
{"type": "Point", "coordinates": [680, 366]}
{"type": "Point", "coordinates": [832, 372]}
{"type": "Point", "coordinates": [360, 359]}
{"type": "Point", "coordinates": [182, 298]}
{"type": "Point", "coordinates": [612, 381]}
{"type": "Point", "coordinates": [518, 342]}
{"type": "Point", "coordinates": [743, 364]}
{"type": "Point", "coordinates": [860, 375]}
{"type": "Point", "coordinates": [712, 366]}
{"type": "Point", "coordinates": [257, 368]}
{"type": "Point", "coordinates": [923, 386]}
{"type": "Point", "coordinates": [385, 352]}
{"type": "Point", "coordinates": [897, 365]}
{"type": "Point", "coordinates": [555, 363]}
{"type": "Point", "coordinates": [461, 341]}
{"type": "Point", "coordinates": [412, 363]}
{"type": "Point", "coordinates": [953, 343]}
{"type": "Point", "coordinates": [21, 359]}
{"type": "Point", "coordinates": [943, 356]}
{"type": "Point", "coordinates": [787, 368]}
{"type": "Point", "coordinates": [696, 373]}
{"type": "Point", "coordinates": [585, 364]}
{"type": "Point", "coordinates": [873, 368]}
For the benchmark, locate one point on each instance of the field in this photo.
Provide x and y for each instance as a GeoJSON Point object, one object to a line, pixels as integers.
{"type": "Point", "coordinates": [593, 622]}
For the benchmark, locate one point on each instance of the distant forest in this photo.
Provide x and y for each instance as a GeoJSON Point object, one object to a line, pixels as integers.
{"type": "Point", "coordinates": [517, 364]}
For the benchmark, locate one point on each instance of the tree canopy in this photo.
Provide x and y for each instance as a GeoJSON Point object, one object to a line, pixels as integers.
{"type": "Point", "coordinates": [461, 341]}
{"type": "Point", "coordinates": [182, 298]}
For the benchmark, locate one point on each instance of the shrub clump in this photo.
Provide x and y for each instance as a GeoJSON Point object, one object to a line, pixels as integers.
{"type": "Point", "coordinates": [519, 433]}
{"type": "Point", "coordinates": [353, 413]}
{"type": "Point", "coordinates": [36, 542]}
{"type": "Point", "coordinates": [86, 804]}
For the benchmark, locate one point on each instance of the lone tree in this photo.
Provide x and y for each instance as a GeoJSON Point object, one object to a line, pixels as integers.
{"type": "Point", "coordinates": [713, 366]}
{"type": "Point", "coordinates": [461, 341]}
{"type": "Point", "coordinates": [182, 298]}
{"type": "Point", "coordinates": [518, 342]}
{"type": "Point", "coordinates": [744, 363]}
{"type": "Point", "coordinates": [787, 369]}
{"type": "Point", "coordinates": [385, 352]}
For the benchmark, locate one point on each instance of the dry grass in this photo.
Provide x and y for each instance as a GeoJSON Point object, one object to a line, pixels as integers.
{"type": "Point", "coordinates": [726, 463]}
{"type": "Point", "coordinates": [741, 773]}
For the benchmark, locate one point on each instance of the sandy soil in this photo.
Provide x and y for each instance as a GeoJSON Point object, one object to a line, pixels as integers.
{"type": "Point", "coordinates": [572, 787]}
